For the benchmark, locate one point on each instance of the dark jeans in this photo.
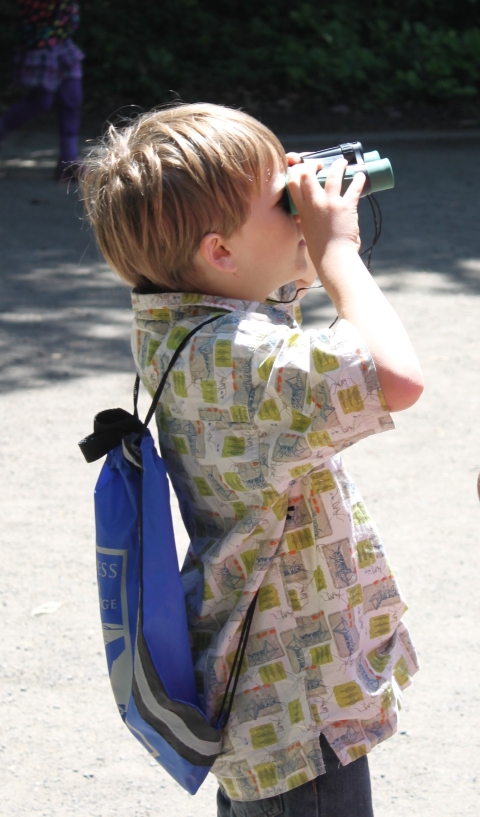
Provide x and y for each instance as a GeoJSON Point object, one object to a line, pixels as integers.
{"type": "Point", "coordinates": [343, 791]}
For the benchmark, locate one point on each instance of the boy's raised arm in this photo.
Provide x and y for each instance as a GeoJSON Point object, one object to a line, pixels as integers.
{"type": "Point", "coordinates": [330, 227]}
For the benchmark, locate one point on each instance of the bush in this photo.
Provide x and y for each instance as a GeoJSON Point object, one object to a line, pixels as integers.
{"type": "Point", "coordinates": [275, 53]}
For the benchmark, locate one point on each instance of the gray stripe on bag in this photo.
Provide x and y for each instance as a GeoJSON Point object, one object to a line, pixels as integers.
{"type": "Point", "coordinates": [162, 730]}
{"type": "Point", "coordinates": [173, 721]}
{"type": "Point", "coordinates": [197, 723]}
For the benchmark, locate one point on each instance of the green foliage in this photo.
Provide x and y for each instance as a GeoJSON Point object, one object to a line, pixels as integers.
{"type": "Point", "coordinates": [275, 52]}
{"type": "Point", "coordinates": [7, 40]}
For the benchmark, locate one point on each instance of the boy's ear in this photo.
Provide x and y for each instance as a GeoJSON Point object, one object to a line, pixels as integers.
{"type": "Point", "coordinates": [215, 251]}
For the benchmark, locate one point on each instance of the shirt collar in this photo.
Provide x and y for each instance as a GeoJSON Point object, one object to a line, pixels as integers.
{"type": "Point", "coordinates": [184, 302]}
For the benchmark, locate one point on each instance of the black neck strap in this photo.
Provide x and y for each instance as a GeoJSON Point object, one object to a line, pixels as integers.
{"type": "Point", "coordinates": [112, 425]}
{"type": "Point", "coordinates": [175, 356]}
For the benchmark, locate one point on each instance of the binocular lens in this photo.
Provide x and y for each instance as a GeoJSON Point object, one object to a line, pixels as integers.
{"type": "Point", "coordinates": [371, 156]}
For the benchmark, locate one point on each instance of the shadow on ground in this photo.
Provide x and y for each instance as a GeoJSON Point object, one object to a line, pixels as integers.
{"type": "Point", "coordinates": [63, 313]}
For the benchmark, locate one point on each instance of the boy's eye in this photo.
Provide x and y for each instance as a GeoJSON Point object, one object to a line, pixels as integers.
{"type": "Point", "coordinates": [284, 201]}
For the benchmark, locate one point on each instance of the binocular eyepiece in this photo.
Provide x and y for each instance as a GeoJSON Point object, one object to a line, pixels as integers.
{"type": "Point", "coordinates": [378, 171]}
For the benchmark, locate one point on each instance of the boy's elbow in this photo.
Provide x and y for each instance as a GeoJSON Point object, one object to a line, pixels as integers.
{"type": "Point", "coordinates": [403, 392]}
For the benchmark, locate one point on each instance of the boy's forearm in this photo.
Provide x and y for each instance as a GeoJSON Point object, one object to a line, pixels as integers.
{"type": "Point", "coordinates": [330, 226]}
{"type": "Point", "coordinates": [359, 300]}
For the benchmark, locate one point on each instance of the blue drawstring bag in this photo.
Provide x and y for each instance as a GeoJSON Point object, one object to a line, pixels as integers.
{"type": "Point", "coordinates": [141, 596]}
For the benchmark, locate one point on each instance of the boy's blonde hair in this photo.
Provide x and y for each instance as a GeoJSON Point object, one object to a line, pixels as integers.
{"type": "Point", "coordinates": [153, 189]}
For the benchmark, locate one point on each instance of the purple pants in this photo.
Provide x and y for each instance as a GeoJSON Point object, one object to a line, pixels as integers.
{"type": "Point", "coordinates": [38, 101]}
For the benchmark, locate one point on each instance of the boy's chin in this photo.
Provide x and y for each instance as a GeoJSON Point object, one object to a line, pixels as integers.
{"type": "Point", "coordinates": [302, 288]}
{"type": "Point", "coordinates": [301, 292]}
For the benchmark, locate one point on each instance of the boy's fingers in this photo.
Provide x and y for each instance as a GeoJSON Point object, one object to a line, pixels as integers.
{"type": "Point", "coordinates": [293, 158]}
{"type": "Point", "coordinates": [297, 158]}
{"type": "Point", "coordinates": [333, 182]}
{"type": "Point", "coordinates": [303, 183]}
{"type": "Point", "coordinates": [355, 189]}
{"type": "Point", "coordinates": [317, 162]}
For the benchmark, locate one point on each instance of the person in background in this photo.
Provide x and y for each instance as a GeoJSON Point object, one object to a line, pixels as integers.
{"type": "Point", "coordinates": [48, 66]}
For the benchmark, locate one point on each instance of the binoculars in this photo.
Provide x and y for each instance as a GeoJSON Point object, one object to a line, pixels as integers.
{"type": "Point", "coordinates": [378, 171]}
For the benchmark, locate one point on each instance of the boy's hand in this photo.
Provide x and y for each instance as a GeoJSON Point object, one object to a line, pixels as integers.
{"type": "Point", "coordinates": [329, 221]}
{"type": "Point", "coordinates": [329, 224]}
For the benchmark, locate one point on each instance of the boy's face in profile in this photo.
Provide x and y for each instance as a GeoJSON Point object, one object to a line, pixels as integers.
{"type": "Point", "coordinates": [267, 251]}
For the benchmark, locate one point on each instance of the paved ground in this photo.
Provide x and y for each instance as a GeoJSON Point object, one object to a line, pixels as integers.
{"type": "Point", "coordinates": [64, 354]}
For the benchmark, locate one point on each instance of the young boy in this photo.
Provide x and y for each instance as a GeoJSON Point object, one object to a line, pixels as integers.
{"type": "Point", "coordinates": [187, 207]}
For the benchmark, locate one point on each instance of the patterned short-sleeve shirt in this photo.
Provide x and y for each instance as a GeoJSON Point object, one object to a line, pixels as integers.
{"type": "Point", "coordinates": [252, 422]}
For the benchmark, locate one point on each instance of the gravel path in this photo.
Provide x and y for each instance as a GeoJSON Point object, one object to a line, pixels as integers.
{"type": "Point", "coordinates": [64, 354]}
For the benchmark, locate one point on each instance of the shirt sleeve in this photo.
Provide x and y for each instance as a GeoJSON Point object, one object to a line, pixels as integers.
{"type": "Point", "coordinates": [321, 394]}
